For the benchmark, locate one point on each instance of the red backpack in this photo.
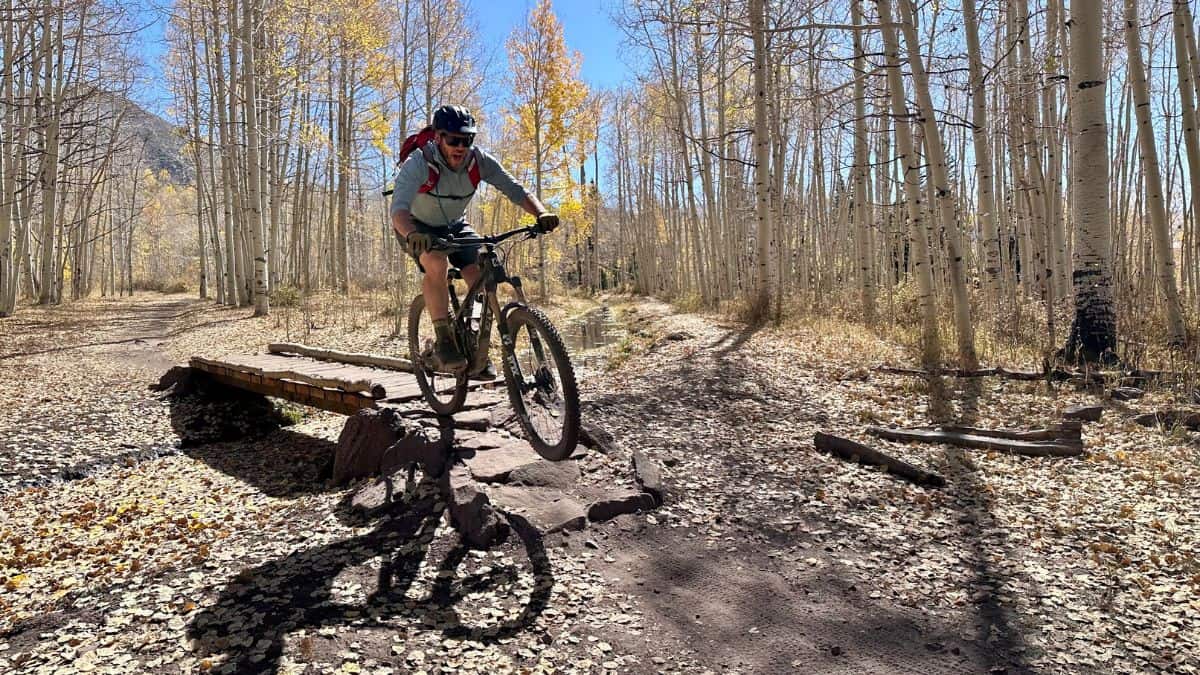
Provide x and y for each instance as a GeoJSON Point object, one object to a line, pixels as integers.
{"type": "Point", "coordinates": [423, 140]}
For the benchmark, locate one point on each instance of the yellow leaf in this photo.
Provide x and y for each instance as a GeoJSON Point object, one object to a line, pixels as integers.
{"type": "Point", "coordinates": [16, 582]}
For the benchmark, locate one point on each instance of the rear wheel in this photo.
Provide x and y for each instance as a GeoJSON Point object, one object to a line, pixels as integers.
{"type": "Point", "coordinates": [541, 384]}
{"type": "Point", "coordinates": [445, 392]}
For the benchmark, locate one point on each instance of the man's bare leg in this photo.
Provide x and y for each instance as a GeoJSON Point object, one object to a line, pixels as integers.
{"type": "Point", "coordinates": [435, 284]}
{"type": "Point", "coordinates": [435, 288]}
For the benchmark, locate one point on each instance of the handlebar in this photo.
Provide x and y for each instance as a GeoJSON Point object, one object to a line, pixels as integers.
{"type": "Point", "coordinates": [440, 244]}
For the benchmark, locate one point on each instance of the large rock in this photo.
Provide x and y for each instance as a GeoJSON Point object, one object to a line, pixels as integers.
{"type": "Point", "coordinates": [648, 475]}
{"type": "Point", "coordinates": [546, 509]}
{"type": "Point", "coordinates": [620, 504]}
{"type": "Point", "coordinates": [379, 441]}
{"type": "Point", "coordinates": [597, 438]}
{"type": "Point", "coordinates": [542, 473]}
{"type": "Point", "coordinates": [495, 465]}
{"type": "Point", "coordinates": [471, 511]}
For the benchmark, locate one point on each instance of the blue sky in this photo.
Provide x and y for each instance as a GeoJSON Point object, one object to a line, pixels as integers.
{"type": "Point", "coordinates": [586, 25]}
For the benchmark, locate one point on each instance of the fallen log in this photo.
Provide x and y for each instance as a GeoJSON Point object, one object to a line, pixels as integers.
{"type": "Point", "coordinates": [969, 440]}
{"type": "Point", "coordinates": [1063, 432]}
{"type": "Point", "coordinates": [863, 454]}
{"type": "Point", "coordinates": [1170, 418]}
{"type": "Point", "coordinates": [947, 372]}
{"type": "Point", "coordinates": [350, 358]}
{"type": "Point", "coordinates": [1058, 374]}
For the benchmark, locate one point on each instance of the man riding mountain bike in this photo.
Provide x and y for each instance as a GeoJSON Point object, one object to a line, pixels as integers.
{"type": "Point", "coordinates": [430, 196]}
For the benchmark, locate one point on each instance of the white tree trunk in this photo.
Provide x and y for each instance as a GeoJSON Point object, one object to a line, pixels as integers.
{"type": "Point", "coordinates": [931, 349]}
{"type": "Point", "coordinates": [1164, 251]}
{"type": "Point", "coordinates": [1094, 331]}
{"type": "Point", "coordinates": [761, 302]}
{"type": "Point", "coordinates": [942, 192]}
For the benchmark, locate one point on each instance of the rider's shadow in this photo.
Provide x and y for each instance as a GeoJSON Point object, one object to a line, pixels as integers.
{"type": "Point", "coordinates": [260, 606]}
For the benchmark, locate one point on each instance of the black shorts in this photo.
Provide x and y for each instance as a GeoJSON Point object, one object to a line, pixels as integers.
{"type": "Point", "coordinates": [460, 258]}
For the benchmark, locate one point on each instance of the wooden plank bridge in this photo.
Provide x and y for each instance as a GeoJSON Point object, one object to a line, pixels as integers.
{"type": "Point", "coordinates": [342, 382]}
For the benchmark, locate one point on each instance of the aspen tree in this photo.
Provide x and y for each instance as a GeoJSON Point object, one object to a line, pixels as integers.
{"type": "Point", "coordinates": [862, 212]}
{"type": "Point", "coordinates": [1164, 251]}
{"type": "Point", "coordinates": [548, 95]}
{"type": "Point", "coordinates": [940, 185]}
{"type": "Point", "coordinates": [1094, 330]}
{"type": "Point", "coordinates": [919, 231]}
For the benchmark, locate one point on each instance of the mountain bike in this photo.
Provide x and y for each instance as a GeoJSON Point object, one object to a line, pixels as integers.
{"type": "Point", "coordinates": [537, 370]}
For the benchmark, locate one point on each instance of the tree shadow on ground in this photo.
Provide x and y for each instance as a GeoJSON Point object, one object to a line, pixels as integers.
{"type": "Point", "coordinates": [733, 340]}
{"type": "Point", "coordinates": [259, 607]}
{"type": "Point", "coordinates": [998, 625]}
{"type": "Point", "coordinates": [742, 615]}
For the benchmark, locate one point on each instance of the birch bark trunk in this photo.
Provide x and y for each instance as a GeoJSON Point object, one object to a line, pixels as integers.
{"type": "Point", "coordinates": [941, 185]}
{"type": "Point", "coordinates": [1164, 251]}
{"type": "Point", "coordinates": [1093, 334]}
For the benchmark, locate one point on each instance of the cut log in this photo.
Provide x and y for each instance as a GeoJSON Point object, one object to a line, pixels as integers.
{"type": "Point", "coordinates": [1171, 418]}
{"type": "Point", "coordinates": [863, 454]}
{"type": "Point", "coordinates": [353, 386]}
{"type": "Point", "coordinates": [966, 440]}
{"type": "Point", "coordinates": [352, 358]}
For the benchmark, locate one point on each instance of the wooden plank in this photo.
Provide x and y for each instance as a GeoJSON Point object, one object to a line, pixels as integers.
{"type": "Point", "coordinates": [298, 392]}
{"type": "Point", "coordinates": [376, 391]}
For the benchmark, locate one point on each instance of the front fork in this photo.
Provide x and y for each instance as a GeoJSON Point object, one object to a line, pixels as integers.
{"type": "Point", "coordinates": [506, 335]}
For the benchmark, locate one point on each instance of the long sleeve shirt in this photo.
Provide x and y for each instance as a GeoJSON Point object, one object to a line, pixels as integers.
{"type": "Point", "coordinates": [447, 202]}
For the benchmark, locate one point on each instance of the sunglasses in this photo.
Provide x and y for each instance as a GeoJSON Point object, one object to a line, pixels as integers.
{"type": "Point", "coordinates": [458, 141]}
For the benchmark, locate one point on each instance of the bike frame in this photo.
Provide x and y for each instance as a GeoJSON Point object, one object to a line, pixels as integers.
{"type": "Point", "coordinates": [492, 274]}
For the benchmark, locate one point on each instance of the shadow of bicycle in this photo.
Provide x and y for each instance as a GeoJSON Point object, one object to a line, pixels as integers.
{"type": "Point", "coordinates": [259, 607]}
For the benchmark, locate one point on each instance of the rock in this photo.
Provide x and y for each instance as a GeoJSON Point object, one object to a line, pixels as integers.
{"type": "Point", "coordinates": [495, 465]}
{"type": "Point", "coordinates": [596, 438]}
{"type": "Point", "coordinates": [611, 507]}
{"type": "Point", "coordinates": [543, 473]}
{"type": "Point", "coordinates": [1086, 413]}
{"type": "Point", "coordinates": [471, 511]}
{"type": "Point", "coordinates": [377, 441]}
{"type": "Point", "coordinates": [678, 336]}
{"type": "Point", "coordinates": [546, 509]}
{"type": "Point", "coordinates": [482, 441]}
{"type": "Point", "coordinates": [648, 475]}
{"type": "Point", "coordinates": [1127, 393]}
{"type": "Point", "coordinates": [474, 420]}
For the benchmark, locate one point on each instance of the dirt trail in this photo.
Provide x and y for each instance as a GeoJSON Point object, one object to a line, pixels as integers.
{"type": "Point", "coordinates": [59, 421]}
{"type": "Point", "coordinates": [767, 557]}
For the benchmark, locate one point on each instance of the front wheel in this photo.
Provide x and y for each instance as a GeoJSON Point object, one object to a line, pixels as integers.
{"type": "Point", "coordinates": [541, 384]}
{"type": "Point", "coordinates": [444, 392]}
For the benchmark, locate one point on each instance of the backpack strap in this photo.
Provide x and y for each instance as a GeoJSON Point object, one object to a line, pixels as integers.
{"type": "Point", "coordinates": [427, 152]}
{"type": "Point", "coordinates": [434, 173]}
{"type": "Point", "coordinates": [473, 169]}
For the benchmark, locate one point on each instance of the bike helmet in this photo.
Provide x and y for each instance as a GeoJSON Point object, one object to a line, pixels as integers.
{"type": "Point", "coordinates": [454, 119]}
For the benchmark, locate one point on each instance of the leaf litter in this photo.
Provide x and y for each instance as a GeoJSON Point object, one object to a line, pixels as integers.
{"type": "Point", "coordinates": [183, 563]}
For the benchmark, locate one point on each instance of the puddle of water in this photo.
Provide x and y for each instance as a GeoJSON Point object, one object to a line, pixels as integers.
{"type": "Point", "coordinates": [590, 332]}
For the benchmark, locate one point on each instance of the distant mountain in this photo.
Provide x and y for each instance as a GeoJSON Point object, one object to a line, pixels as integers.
{"type": "Point", "coordinates": [164, 147]}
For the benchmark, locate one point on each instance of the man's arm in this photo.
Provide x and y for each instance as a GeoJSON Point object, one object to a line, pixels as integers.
{"type": "Point", "coordinates": [413, 173]}
{"type": "Point", "coordinates": [532, 206]}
